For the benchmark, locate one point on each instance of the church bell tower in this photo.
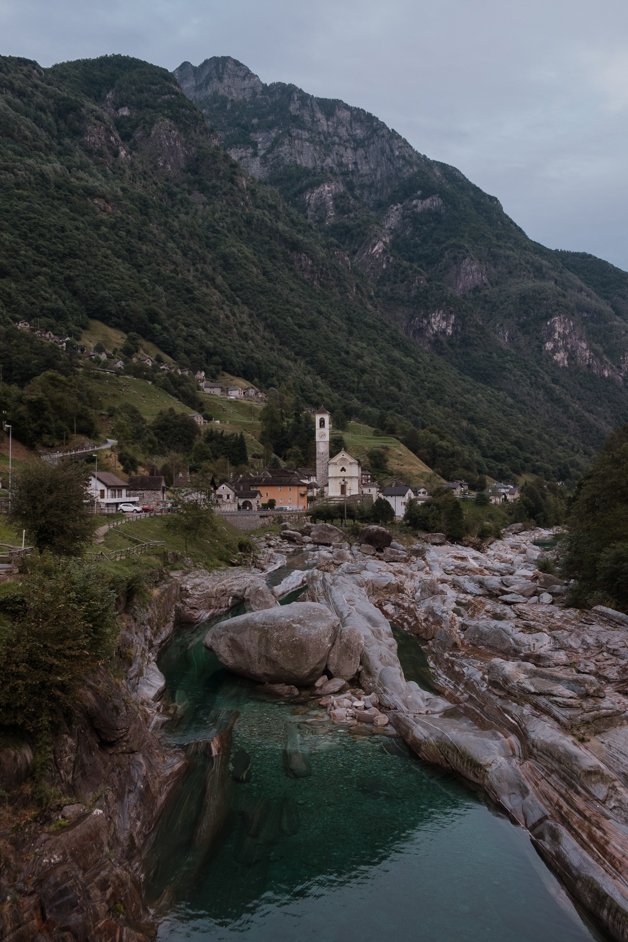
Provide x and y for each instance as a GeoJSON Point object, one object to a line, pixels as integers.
{"type": "Point", "coordinates": [322, 421]}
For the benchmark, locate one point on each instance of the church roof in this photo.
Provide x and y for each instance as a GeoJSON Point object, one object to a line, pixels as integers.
{"type": "Point", "coordinates": [343, 456]}
{"type": "Point", "coordinates": [322, 411]}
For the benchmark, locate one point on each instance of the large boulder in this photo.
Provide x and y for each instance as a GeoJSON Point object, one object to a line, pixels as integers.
{"type": "Point", "coordinates": [324, 534]}
{"type": "Point", "coordinates": [287, 644]}
{"type": "Point", "coordinates": [379, 537]}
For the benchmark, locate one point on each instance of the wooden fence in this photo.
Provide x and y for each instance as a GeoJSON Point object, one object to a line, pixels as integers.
{"type": "Point", "coordinates": [137, 550]}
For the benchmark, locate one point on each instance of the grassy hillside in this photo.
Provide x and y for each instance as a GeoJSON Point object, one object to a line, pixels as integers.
{"type": "Point", "coordinates": [111, 391]}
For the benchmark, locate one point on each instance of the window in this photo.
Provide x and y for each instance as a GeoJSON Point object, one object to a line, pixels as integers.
{"type": "Point", "coordinates": [321, 423]}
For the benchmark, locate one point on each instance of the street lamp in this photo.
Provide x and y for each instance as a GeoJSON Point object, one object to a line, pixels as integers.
{"type": "Point", "coordinates": [9, 428]}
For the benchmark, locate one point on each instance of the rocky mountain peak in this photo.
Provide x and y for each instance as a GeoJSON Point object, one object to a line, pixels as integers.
{"type": "Point", "coordinates": [220, 75]}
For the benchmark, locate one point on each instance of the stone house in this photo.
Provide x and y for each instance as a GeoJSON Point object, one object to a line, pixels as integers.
{"type": "Point", "coordinates": [147, 488]}
{"type": "Point", "coordinates": [225, 498]}
{"type": "Point", "coordinates": [369, 486]}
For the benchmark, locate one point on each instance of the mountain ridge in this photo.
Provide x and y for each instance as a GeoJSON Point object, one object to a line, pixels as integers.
{"type": "Point", "coordinates": [395, 210]}
{"type": "Point", "coordinates": [117, 203]}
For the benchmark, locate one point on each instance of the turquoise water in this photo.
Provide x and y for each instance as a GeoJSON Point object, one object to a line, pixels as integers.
{"type": "Point", "coordinates": [371, 844]}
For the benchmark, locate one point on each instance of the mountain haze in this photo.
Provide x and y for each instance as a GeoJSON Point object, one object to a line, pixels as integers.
{"type": "Point", "coordinates": [301, 244]}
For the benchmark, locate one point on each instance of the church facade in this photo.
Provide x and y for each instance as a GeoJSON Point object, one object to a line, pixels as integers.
{"type": "Point", "coordinates": [344, 476]}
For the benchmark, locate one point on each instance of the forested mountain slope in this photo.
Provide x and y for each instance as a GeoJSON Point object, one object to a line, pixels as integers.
{"type": "Point", "coordinates": [117, 202]}
{"type": "Point", "coordinates": [444, 261]}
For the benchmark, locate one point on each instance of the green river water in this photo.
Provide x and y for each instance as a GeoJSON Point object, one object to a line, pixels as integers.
{"type": "Point", "coordinates": [372, 845]}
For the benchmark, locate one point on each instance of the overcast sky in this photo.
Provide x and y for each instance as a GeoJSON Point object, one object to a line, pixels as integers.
{"type": "Point", "coordinates": [529, 99]}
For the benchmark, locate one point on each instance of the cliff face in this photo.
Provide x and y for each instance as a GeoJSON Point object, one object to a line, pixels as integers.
{"type": "Point", "coordinates": [75, 871]}
{"type": "Point", "coordinates": [428, 240]}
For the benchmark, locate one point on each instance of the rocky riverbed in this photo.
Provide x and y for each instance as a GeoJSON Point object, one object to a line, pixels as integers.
{"type": "Point", "coordinates": [532, 700]}
{"type": "Point", "coordinates": [530, 705]}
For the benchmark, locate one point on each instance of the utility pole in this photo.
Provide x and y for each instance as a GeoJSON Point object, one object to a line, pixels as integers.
{"type": "Point", "coordinates": [95, 455]}
{"type": "Point", "coordinates": [9, 428]}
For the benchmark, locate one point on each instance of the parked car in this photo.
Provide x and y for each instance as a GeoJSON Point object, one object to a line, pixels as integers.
{"type": "Point", "coordinates": [147, 508]}
{"type": "Point", "coordinates": [129, 508]}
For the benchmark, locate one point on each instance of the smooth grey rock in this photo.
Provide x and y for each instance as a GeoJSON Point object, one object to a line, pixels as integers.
{"type": "Point", "coordinates": [292, 581]}
{"type": "Point", "coordinates": [390, 555]}
{"type": "Point", "coordinates": [324, 534]}
{"type": "Point", "coordinates": [344, 657]}
{"type": "Point", "coordinates": [335, 685]}
{"type": "Point", "coordinates": [152, 684]}
{"type": "Point", "coordinates": [611, 613]}
{"type": "Point", "coordinates": [286, 644]}
{"type": "Point", "coordinates": [513, 529]}
{"type": "Point", "coordinates": [259, 597]}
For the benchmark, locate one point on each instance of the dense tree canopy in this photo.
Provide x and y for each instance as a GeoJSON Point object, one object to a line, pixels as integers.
{"type": "Point", "coordinates": [597, 546]}
{"type": "Point", "coordinates": [49, 502]}
{"type": "Point", "coordinates": [60, 625]}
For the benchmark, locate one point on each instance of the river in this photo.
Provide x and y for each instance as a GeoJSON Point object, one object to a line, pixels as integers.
{"type": "Point", "coordinates": [372, 844]}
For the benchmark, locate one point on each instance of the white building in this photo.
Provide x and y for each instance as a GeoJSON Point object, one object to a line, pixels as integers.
{"type": "Point", "coordinates": [398, 496]}
{"type": "Point", "coordinates": [225, 498]}
{"type": "Point", "coordinates": [108, 491]}
{"type": "Point", "coordinates": [344, 476]}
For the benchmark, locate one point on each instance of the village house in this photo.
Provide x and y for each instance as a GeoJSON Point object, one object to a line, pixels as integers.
{"type": "Point", "coordinates": [198, 418]}
{"type": "Point", "coordinates": [252, 393]}
{"type": "Point", "coordinates": [458, 488]}
{"type": "Point", "coordinates": [213, 389]}
{"type": "Point", "coordinates": [398, 496]}
{"type": "Point", "coordinates": [234, 392]}
{"type": "Point", "coordinates": [503, 493]}
{"type": "Point", "coordinates": [148, 489]}
{"type": "Point", "coordinates": [369, 486]}
{"type": "Point", "coordinates": [422, 494]}
{"type": "Point", "coordinates": [248, 499]}
{"type": "Point", "coordinates": [280, 485]}
{"type": "Point", "coordinates": [225, 498]}
{"type": "Point", "coordinates": [108, 491]}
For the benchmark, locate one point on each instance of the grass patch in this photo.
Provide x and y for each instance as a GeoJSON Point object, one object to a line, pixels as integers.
{"type": "Point", "coordinates": [113, 391]}
{"type": "Point", "coordinates": [8, 533]}
{"type": "Point", "coordinates": [360, 439]}
{"type": "Point", "coordinates": [112, 339]}
{"type": "Point", "coordinates": [215, 548]}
